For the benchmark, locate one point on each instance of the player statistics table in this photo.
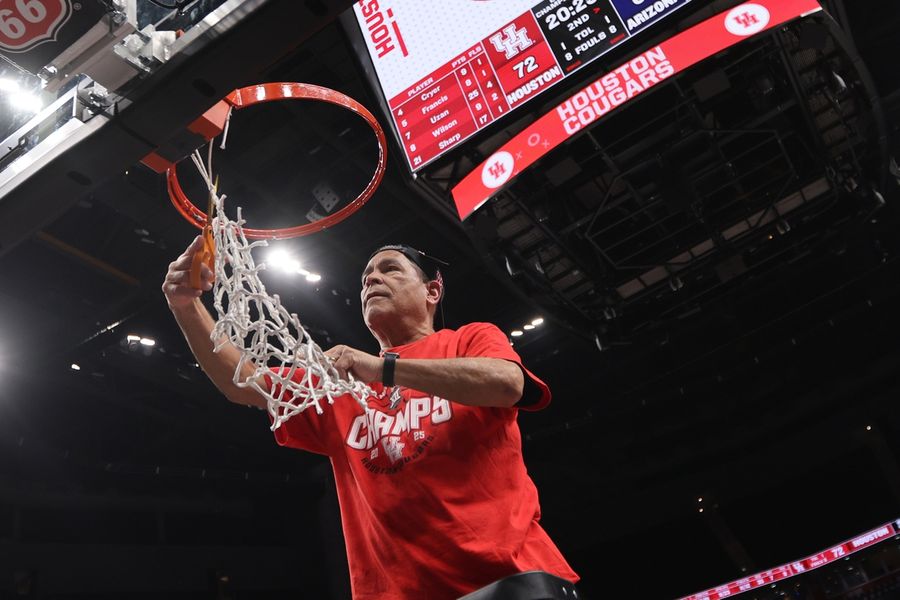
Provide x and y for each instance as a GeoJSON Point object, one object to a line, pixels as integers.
{"type": "Point", "coordinates": [451, 68]}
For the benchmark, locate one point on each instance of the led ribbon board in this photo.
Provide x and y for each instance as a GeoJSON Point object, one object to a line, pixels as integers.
{"type": "Point", "coordinates": [617, 87]}
{"type": "Point", "coordinates": [767, 578]}
{"type": "Point", "coordinates": [449, 69]}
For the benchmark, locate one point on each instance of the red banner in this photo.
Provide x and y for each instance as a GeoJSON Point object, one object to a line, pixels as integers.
{"type": "Point", "coordinates": [617, 87]}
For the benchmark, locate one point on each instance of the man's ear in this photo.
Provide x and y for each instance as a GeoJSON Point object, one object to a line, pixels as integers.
{"type": "Point", "coordinates": [435, 291]}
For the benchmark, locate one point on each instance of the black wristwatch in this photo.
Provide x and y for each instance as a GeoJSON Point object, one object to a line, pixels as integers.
{"type": "Point", "coordinates": [387, 372]}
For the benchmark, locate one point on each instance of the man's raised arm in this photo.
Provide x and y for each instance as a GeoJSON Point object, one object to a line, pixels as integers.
{"type": "Point", "coordinates": [197, 324]}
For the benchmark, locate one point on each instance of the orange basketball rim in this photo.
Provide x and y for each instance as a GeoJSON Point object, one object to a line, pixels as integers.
{"type": "Point", "coordinates": [268, 92]}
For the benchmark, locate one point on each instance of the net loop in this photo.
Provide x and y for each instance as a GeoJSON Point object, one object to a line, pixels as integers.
{"type": "Point", "coordinates": [285, 364]}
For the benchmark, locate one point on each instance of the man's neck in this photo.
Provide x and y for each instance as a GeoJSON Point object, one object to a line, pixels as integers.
{"type": "Point", "coordinates": [401, 336]}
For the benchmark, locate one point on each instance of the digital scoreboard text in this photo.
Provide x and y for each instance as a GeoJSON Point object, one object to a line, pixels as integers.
{"type": "Point", "coordinates": [444, 80]}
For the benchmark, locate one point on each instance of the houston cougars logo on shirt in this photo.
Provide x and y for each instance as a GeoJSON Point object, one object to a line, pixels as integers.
{"type": "Point", "coordinates": [392, 439]}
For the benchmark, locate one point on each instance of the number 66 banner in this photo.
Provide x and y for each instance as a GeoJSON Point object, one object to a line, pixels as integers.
{"type": "Point", "coordinates": [34, 32]}
{"type": "Point", "coordinates": [617, 87]}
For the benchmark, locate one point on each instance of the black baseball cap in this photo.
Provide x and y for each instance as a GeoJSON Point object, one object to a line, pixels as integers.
{"type": "Point", "coordinates": [430, 265]}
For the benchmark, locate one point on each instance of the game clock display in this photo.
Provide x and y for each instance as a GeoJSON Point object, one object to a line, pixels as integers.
{"type": "Point", "coordinates": [579, 31]}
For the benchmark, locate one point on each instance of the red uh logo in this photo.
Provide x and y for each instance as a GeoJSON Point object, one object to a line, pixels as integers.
{"type": "Point", "coordinates": [497, 170]}
{"type": "Point", "coordinates": [747, 20]}
{"type": "Point", "coordinates": [26, 23]}
{"type": "Point", "coordinates": [511, 40]}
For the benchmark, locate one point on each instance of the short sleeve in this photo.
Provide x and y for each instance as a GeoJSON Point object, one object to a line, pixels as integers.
{"type": "Point", "coordinates": [307, 430]}
{"type": "Point", "coordinates": [486, 340]}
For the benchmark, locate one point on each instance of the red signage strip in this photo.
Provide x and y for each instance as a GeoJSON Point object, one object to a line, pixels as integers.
{"type": "Point", "coordinates": [617, 87]}
{"type": "Point", "coordinates": [860, 542]}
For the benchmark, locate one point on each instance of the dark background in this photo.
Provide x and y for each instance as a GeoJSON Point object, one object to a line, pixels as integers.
{"type": "Point", "coordinates": [760, 374]}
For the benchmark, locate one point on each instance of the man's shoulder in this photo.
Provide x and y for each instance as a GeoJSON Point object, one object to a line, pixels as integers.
{"type": "Point", "coordinates": [479, 330]}
{"type": "Point", "coordinates": [478, 327]}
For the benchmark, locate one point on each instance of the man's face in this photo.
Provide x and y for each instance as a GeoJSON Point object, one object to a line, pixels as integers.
{"type": "Point", "coordinates": [392, 286]}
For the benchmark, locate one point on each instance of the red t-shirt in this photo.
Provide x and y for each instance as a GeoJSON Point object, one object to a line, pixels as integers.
{"type": "Point", "coordinates": [435, 499]}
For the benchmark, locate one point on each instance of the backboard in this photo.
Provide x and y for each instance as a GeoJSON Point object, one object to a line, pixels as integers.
{"type": "Point", "coordinates": [92, 87]}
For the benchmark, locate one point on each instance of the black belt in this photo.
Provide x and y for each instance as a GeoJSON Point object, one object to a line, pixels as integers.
{"type": "Point", "coordinates": [532, 585]}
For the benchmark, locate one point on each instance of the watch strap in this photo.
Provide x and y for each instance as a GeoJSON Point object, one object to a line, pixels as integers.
{"type": "Point", "coordinates": [387, 372]}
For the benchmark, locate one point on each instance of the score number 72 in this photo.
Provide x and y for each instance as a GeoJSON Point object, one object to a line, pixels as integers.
{"type": "Point", "coordinates": [527, 65]}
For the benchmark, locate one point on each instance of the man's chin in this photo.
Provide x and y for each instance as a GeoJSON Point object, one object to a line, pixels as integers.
{"type": "Point", "coordinates": [374, 314]}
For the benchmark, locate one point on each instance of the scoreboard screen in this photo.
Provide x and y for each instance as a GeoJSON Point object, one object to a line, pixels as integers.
{"type": "Point", "coordinates": [618, 86]}
{"type": "Point", "coordinates": [449, 69]}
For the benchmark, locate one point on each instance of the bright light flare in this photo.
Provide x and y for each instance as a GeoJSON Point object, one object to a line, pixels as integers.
{"type": "Point", "coordinates": [538, 321]}
{"type": "Point", "coordinates": [282, 261]}
{"type": "Point", "coordinates": [19, 99]}
{"type": "Point", "coordinates": [148, 342]}
{"type": "Point", "coordinates": [25, 102]}
{"type": "Point", "coordinates": [9, 86]}
{"type": "Point", "coordinates": [75, 367]}
{"type": "Point", "coordinates": [517, 333]}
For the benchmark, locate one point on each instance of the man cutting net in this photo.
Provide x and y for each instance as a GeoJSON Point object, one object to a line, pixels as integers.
{"type": "Point", "coordinates": [435, 499]}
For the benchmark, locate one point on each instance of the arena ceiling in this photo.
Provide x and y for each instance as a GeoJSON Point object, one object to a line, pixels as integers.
{"type": "Point", "coordinates": [716, 264]}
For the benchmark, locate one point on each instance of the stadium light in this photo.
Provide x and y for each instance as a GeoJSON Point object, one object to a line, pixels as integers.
{"type": "Point", "coordinates": [281, 260]}
{"type": "Point", "coordinates": [9, 86]}
{"type": "Point", "coordinates": [26, 102]}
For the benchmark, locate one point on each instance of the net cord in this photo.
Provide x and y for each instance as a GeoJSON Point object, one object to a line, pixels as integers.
{"type": "Point", "coordinates": [278, 357]}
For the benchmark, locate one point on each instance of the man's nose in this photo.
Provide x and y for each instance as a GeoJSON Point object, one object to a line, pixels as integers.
{"type": "Point", "coordinates": [373, 277]}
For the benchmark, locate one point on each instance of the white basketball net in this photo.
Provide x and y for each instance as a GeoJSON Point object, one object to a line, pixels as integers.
{"type": "Point", "coordinates": [270, 339]}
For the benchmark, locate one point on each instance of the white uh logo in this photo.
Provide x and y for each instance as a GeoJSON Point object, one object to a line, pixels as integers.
{"type": "Point", "coordinates": [511, 40]}
{"type": "Point", "coordinates": [497, 170]}
{"type": "Point", "coordinates": [747, 19]}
